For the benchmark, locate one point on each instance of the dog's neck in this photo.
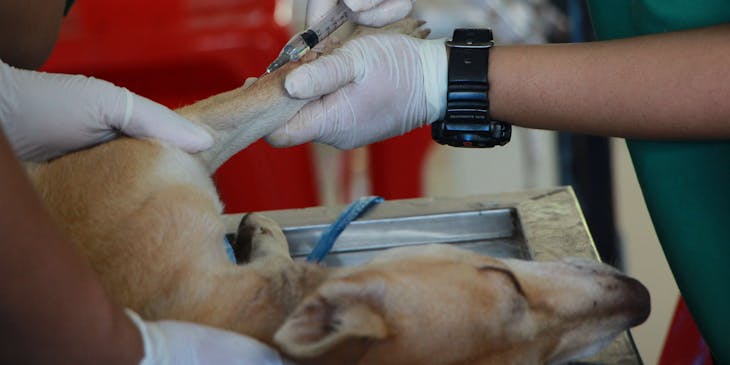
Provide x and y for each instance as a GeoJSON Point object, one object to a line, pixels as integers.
{"type": "Point", "coordinates": [297, 282]}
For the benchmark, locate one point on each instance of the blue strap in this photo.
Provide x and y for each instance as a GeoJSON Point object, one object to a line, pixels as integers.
{"type": "Point", "coordinates": [229, 249]}
{"type": "Point", "coordinates": [329, 236]}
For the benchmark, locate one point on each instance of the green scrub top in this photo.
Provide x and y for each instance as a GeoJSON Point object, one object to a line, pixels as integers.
{"type": "Point", "coordinates": [686, 185]}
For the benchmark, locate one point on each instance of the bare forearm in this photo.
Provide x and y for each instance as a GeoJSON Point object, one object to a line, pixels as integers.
{"type": "Point", "coordinates": [671, 86]}
{"type": "Point", "coordinates": [52, 310]}
{"type": "Point", "coordinates": [28, 30]}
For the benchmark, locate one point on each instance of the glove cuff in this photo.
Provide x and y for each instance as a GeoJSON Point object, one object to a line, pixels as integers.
{"type": "Point", "coordinates": [6, 82]}
{"type": "Point", "coordinates": [148, 358]}
{"type": "Point", "coordinates": [435, 77]}
{"type": "Point", "coordinates": [128, 108]}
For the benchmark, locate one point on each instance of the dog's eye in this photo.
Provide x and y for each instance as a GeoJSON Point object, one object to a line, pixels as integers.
{"type": "Point", "coordinates": [506, 272]}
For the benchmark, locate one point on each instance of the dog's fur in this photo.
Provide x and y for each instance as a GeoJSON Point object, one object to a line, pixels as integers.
{"type": "Point", "coordinates": [147, 218]}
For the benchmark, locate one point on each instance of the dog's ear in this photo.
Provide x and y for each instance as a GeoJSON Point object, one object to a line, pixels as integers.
{"type": "Point", "coordinates": [339, 311]}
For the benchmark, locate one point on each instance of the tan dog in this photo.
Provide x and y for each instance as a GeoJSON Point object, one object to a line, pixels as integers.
{"type": "Point", "coordinates": [147, 217]}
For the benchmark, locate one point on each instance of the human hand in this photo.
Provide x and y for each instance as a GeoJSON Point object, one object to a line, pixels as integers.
{"type": "Point", "coordinates": [182, 343]}
{"type": "Point", "coordinates": [45, 115]}
{"type": "Point", "coordinates": [372, 88]}
{"type": "Point", "coordinates": [374, 13]}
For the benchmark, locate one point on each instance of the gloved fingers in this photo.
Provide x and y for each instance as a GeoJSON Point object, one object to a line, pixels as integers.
{"type": "Point", "coordinates": [362, 5]}
{"type": "Point", "coordinates": [122, 111]}
{"type": "Point", "coordinates": [378, 13]}
{"type": "Point", "coordinates": [49, 114]}
{"type": "Point", "coordinates": [197, 345]}
{"type": "Point", "coordinates": [305, 126]}
{"type": "Point", "coordinates": [317, 8]}
{"type": "Point", "coordinates": [374, 13]}
{"type": "Point", "coordinates": [330, 120]}
{"type": "Point", "coordinates": [183, 343]}
{"type": "Point", "coordinates": [52, 114]}
{"type": "Point", "coordinates": [323, 75]}
{"type": "Point", "coordinates": [144, 118]}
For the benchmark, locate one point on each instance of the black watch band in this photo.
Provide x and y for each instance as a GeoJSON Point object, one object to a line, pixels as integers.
{"type": "Point", "coordinates": [467, 122]}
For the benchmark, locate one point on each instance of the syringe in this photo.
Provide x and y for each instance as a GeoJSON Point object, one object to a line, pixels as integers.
{"type": "Point", "coordinates": [302, 42]}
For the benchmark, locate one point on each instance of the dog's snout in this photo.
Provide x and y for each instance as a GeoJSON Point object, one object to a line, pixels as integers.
{"type": "Point", "coordinates": [590, 266]}
{"type": "Point", "coordinates": [636, 299]}
{"type": "Point", "coordinates": [629, 296]}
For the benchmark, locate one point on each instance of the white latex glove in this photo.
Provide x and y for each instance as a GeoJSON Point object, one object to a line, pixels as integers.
{"type": "Point", "coordinates": [45, 115]}
{"type": "Point", "coordinates": [374, 13]}
{"type": "Point", "coordinates": [375, 87]}
{"type": "Point", "coordinates": [182, 343]}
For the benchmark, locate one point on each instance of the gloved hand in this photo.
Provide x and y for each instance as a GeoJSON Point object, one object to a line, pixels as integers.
{"type": "Point", "coordinates": [375, 87]}
{"type": "Point", "coordinates": [374, 13]}
{"type": "Point", "coordinates": [45, 115]}
{"type": "Point", "coordinates": [182, 343]}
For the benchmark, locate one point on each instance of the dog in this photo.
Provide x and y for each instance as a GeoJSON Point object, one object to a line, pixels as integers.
{"type": "Point", "coordinates": [147, 218]}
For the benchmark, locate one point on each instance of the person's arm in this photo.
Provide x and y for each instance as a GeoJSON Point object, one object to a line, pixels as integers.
{"type": "Point", "coordinates": [53, 309]}
{"type": "Point", "coordinates": [668, 86]}
{"type": "Point", "coordinates": [28, 30]}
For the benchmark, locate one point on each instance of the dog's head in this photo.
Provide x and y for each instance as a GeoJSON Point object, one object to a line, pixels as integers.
{"type": "Point", "coordinates": [442, 305]}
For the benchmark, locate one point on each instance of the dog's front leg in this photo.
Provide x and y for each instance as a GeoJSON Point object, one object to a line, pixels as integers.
{"type": "Point", "coordinates": [240, 117]}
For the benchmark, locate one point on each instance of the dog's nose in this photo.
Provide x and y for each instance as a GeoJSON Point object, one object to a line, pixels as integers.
{"type": "Point", "coordinates": [636, 299]}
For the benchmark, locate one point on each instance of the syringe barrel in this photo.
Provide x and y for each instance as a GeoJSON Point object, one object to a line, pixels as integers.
{"type": "Point", "coordinates": [329, 22]}
{"type": "Point", "coordinates": [296, 47]}
{"type": "Point", "coordinates": [302, 42]}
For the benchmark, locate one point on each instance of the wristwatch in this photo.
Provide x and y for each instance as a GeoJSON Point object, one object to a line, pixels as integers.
{"type": "Point", "coordinates": [467, 122]}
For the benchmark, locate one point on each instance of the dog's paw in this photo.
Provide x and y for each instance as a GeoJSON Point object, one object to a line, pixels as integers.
{"type": "Point", "coordinates": [259, 236]}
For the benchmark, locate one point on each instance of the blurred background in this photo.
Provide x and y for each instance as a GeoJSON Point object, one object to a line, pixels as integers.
{"type": "Point", "coordinates": [180, 51]}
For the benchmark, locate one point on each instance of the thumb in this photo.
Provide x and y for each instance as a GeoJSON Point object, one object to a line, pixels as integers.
{"type": "Point", "coordinates": [321, 76]}
{"type": "Point", "coordinates": [361, 5]}
{"type": "Point", "coordinates": [145, 118]}
{"type": "Point", "coordinates": [378, 13]}
{"type": "Point", "coordinates": [317, 8]}
{"type": "Point", "coordinates": [305, 126]}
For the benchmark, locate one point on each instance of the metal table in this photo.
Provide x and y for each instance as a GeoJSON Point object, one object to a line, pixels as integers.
{"type": "Point", "coordinates": [539, 225]}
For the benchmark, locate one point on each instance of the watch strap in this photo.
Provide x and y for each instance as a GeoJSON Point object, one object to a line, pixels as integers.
{"type": "Point", "coordinates": [467, 122]}
{"type": "Point", "coordinates": [467, 97]}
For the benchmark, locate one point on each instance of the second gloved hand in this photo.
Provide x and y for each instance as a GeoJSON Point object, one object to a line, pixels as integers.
{"type": "Point", "coordinates": [46, 115]}
{"type": "Point", "coordinates": [182, 343]}
{"type": "Point", "coordinates": [372, 88]}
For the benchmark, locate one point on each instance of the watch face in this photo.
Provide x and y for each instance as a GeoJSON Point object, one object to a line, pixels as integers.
{"type": "Point", "coordinates": [495, 134]}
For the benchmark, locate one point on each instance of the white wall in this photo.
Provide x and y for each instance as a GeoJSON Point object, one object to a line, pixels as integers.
{"type": "Point", "coordinates": [643, 256]}
{"type": "Point", "coordinates": [528, 161]}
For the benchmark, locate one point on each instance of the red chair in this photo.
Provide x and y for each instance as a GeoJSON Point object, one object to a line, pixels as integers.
{"type": "Point", "coordinates": [684, 344]}
{"type": "Point", "coordinates": [397, 165]}
{"type": "Point", "coordinates": [179, 51]}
